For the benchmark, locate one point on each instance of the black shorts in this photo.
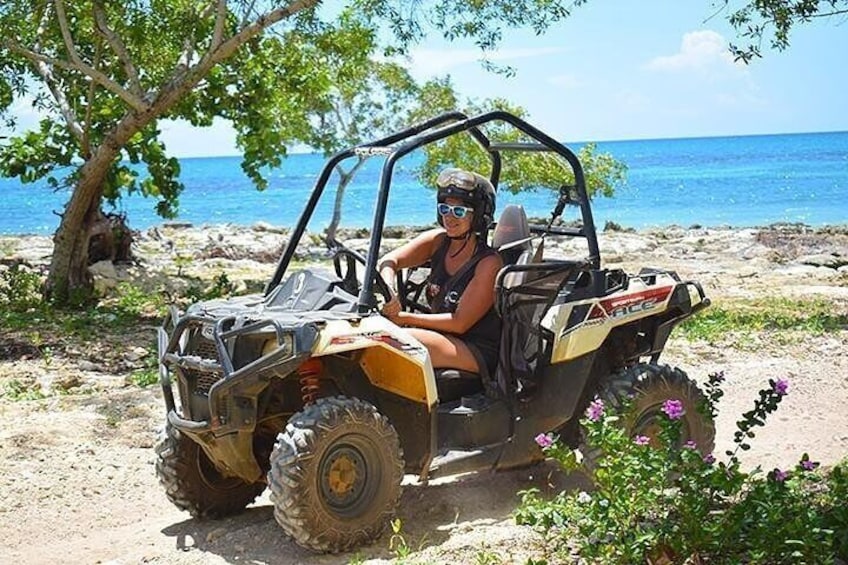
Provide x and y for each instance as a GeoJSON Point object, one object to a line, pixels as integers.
{"type": "Point", "coordinates": [486, 355]}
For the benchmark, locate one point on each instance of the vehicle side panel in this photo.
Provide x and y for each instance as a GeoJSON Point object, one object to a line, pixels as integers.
{"type": "Point", "coordinates": [392, 359]}
{"type": "Point", "coordinates": [582, 326]}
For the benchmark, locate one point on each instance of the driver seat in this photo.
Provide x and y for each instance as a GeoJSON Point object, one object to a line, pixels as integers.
{"type": "Point", "coordinates": [512, 238]}
{"type": "Point", "coordinates": [514, 241]}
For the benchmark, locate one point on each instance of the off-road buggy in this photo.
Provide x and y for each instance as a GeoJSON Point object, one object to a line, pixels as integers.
{"type": "Point", "coordinates": [308, 390]}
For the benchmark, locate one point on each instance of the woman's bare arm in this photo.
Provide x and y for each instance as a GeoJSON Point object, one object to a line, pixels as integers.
{"type": "Point", "coordinates": [413, 253]}
{"type": "Point", "coordinates": [476, 300]}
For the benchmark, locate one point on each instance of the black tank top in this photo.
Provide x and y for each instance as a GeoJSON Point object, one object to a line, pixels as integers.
{"type": "Point", "coordinates": [444, 291]}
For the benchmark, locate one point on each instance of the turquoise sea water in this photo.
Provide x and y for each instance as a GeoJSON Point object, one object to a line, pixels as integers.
{"type": "Point", "coordinates": [735, 181]}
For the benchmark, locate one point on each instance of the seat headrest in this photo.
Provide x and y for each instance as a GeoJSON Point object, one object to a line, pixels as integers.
{"type": "Point", "coordinates": [511, 227]}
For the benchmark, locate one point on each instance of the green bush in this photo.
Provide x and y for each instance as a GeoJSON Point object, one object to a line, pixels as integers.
{"type": "Point", "coordinates": [657, 501]}
{"type": "Point", "coordinates": [20, 288]}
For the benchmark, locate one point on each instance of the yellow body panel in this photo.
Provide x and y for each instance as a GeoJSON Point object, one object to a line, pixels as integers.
{"type": "Point", "coordinates": [396, 373]}
{"type": "Point", "coordinates": [391, 358]}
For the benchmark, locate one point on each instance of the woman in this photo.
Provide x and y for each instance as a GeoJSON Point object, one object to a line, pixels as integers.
{"type": "Point", "coordinates": [463, 330]}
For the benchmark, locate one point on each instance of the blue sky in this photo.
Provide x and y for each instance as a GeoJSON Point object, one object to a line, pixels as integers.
{"type": "Point", "coordinates": [634, 70]}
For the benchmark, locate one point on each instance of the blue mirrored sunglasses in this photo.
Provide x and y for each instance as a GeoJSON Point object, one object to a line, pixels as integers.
{"type": "Point", "coordinates": [457, 211]}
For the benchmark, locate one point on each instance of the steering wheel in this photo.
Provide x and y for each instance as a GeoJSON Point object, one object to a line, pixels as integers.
{"type": "Point", "coordinates": [411, 291]}
{"type": "Point", "coordinates": [347, 272]}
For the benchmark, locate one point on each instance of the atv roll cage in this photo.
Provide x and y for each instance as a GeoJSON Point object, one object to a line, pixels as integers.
{"type": "Point", "coordinates": [398, 145]}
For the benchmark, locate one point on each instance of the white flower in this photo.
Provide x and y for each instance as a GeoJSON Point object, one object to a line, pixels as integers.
{"type": "Point", "coordinates": [584, 497]}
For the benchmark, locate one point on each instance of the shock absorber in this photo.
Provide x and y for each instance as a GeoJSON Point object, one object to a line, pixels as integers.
{"type": "Point", "coordinates": [310, 384]}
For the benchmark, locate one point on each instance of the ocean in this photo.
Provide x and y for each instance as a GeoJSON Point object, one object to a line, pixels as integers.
{"type": "Point", "coordinates": [737, 181]}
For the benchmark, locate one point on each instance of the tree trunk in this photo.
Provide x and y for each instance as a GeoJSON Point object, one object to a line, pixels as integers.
{"type": "Point", "coordinates": [344, 180]}
{"type": "Point", "coordinates": [69, 282]}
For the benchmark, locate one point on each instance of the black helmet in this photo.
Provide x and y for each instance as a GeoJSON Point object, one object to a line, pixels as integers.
{"type": "Point", "coordinates": [472, 189]}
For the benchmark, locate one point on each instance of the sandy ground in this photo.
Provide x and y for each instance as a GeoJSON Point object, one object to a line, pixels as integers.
{"type": "Point", "coordinates": [77, 483]}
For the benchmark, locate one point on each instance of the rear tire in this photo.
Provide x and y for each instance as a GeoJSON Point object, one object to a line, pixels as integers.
{"type": "Point", "coordinates": [647, 386]}
{"type": "Point", "coordinates": [335, 474]}
{"type": "Point", "coordinates": [192, 482]}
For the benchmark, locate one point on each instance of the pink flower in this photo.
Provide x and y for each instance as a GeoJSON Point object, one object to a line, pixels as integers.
{"type": "Point", "coordinates": [709, 458]}
{"type": "Point", "coordinates": [544, 440]}
{"type": "Point", "coordinates": [779, 476]}
{"type": "Point", "coordinates": [596, 410]}
{"type": "Point", "coordinates": [641, 440]}
{"type": "Point", "coordinates": [690, 445]}
{"type": "Point", "coordinates": [673, 409]}
{"type": "Point", "coordinates": [808, 465]}
{"type": "Point", "coordinates": [780, 386]}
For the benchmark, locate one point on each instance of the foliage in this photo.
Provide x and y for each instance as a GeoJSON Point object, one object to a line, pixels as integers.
{"type": "Point", "coordinates": [369, 102]}
{"type": "Point", "coordinates": [754, 21]}
{"type": "Point", "coordinates": [20, 288]}
{"type": "Point", "coordinates": [521, 171]}
{"type": "Point", "coordinates": [145, 377]}
{"type": "Point", "coordinates": [105, 74]}
{"type": "Point", "coordinates": [20, 390]}
{"type": "Point", "coordinates": [745, 316]}
{"type": "Point", "coordinates": [397, 542]}
{"type": "Point", "coordinates": [659, 500]}
{"type": "Point", "coordinates": [221, 287]}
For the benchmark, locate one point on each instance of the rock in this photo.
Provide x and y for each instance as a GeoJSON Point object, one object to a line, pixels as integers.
{"type": "Point", "coordinates": [105, 275]}
{"type": "Point", "coordinates": [85, 365]}
{"type": "Point", "coordinates": [135, 354]}
{"type": "Point", "coordinates": [830, 260]}
{"type": "Point", "coordinates": [215, 534]}
{"type": "Point", "coordinates": [809, 271]}
{"type": "Point", "coordinates": [177, 225]}
{"type": "Point", "coordinates": [266, 227]}
{"type": "Point", "coordinates": [66, 382]}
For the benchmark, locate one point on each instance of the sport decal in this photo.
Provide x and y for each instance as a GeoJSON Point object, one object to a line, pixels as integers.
{"type": "Point", "coordinates": [635, 303]}
{"type": "Point", "coordinates": [381, 337]}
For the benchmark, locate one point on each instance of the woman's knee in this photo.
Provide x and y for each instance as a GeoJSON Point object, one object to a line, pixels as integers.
{"type": "Point", "coordinates": [446, 352]}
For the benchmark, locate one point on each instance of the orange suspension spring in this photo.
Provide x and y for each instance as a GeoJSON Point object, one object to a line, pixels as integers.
{"type": "Point", "coordinates": [310, 384]}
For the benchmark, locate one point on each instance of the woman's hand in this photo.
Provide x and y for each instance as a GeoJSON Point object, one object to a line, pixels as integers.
{"type": "Point", "coordinates": [392, 310]}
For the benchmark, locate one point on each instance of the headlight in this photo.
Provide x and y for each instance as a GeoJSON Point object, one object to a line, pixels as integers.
{"type": "Point", "coordinates": [285, 345]}
{"type": "Point", "coordinates": [207, 331]}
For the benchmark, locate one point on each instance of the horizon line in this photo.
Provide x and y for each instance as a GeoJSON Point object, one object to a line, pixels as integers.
{"type": "Point", "coordinates": [597, 141]}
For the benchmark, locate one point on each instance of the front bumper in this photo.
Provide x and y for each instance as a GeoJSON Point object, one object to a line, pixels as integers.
{"type": "Point", "coordinates": [219, 402]}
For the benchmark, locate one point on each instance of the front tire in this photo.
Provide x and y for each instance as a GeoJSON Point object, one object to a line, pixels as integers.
{"type": "Point", "coordinates": [335, 474]}
{"type": "Point", "coordinates": [192, 482]}
{"type": "Point", "coordinates": [646, 387]}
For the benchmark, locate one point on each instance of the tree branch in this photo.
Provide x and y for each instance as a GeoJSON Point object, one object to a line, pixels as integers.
{"type": "Point", "coordinates": [220, 19]}
{"type": "Point", "coordinates": [247, 11]}
{"type": "Point", "coordinates": [119, 48]}
{"type": "Point", "coordinates": [135, 102]}
{"type": "Point", "coordinates": [827, 15]}
{"type": "Point", "coordinates": [86, 142]}
{"type": "Point", "coordinates": [44, 69]}
{"type": "Point", "coordinates": [249, 31]}
{"type": "Point", "coordinates": [183, 79]}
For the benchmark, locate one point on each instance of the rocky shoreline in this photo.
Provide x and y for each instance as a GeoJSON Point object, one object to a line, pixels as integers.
{"type": "Point", "coordinates": [789, 255]}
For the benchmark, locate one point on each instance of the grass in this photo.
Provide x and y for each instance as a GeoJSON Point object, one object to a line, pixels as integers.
{"type": "Point", "coordinates": [145, 377]}
{"type": "Point", "coordinates": [17, 390]}
{"type": "Point", "coordinates": [816, 317]}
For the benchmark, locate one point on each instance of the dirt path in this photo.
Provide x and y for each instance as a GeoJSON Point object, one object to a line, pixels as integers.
{"type": "Point", "coordinates": [77, 483]}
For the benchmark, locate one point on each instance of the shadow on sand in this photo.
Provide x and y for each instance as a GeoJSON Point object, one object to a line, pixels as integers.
{"type": "Point", "coordinates": [429, 515]}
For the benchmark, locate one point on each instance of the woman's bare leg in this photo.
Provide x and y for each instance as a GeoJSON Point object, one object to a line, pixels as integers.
{"type": "Point", "coordinates": [446, 351]}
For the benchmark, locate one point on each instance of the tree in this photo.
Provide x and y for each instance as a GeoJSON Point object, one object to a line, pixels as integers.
{"type": "Point", "coordinates": [753, 20]}
{"type": "Point", "coordinates": [526, 171]}
{"type": "Point", "coordinates": [107, 72]}
{"type": "Point", "coordinates": [368, 105]}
